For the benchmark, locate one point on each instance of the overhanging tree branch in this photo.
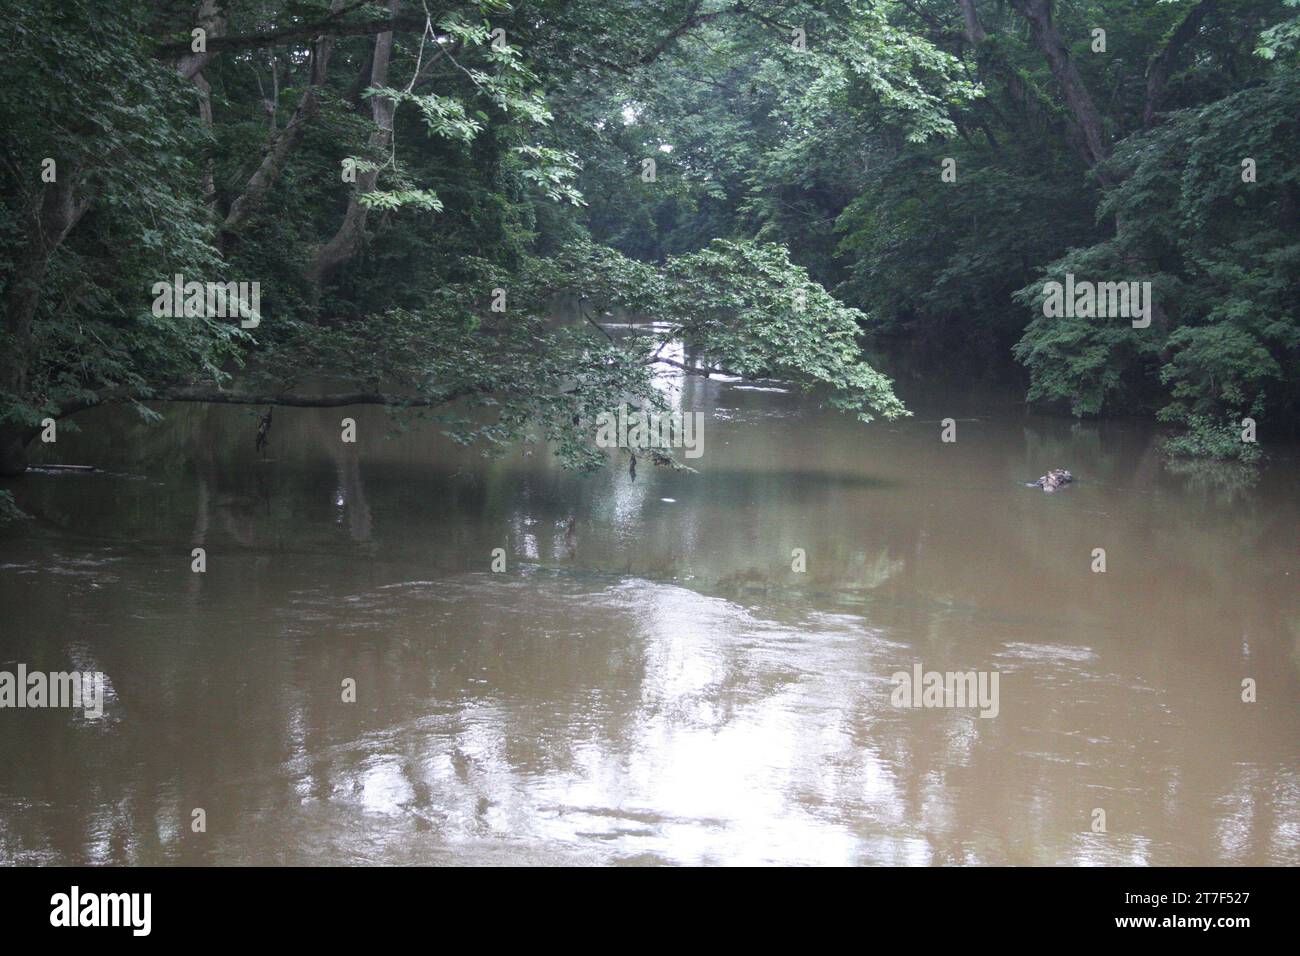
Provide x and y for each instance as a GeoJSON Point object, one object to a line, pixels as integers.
{"type": "Point", "coordinates": [216, 396]}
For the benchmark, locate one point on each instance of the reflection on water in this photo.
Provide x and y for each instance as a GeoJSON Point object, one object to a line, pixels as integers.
{"type": "Point", "coordinates": [649, 681]}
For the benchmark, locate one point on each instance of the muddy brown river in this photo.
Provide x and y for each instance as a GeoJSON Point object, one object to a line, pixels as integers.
{"type": "Point", "coordinates": [648, 680]}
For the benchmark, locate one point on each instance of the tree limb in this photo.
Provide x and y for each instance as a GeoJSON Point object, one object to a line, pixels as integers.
{"type": "Point", "coordinates": [1162, 63]}
{"type": "Point", "coordinates": [345, 242]}
{"type": "Point", "coordinates": [1093, 143]}
{"type": "Point", "coordinates": [217, 396]}
{"type": "Point", "coordinates": [277, 152]}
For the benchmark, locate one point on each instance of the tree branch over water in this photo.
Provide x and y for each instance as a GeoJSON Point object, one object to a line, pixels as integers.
{"type": "Point", "coordinates": [217, 396]}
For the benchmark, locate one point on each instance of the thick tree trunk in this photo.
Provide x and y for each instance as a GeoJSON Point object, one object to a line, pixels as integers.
{"type": "Point", "coordinates": [1093, 143]}
{"type": "Point", "coordinates": [213, 22]}
{"type": "Point", "coordinates": [975, 32]}
{"type": "Point", "coordinates": [345, 242]}
{"type": "Point", "coordinates": [205, 115]}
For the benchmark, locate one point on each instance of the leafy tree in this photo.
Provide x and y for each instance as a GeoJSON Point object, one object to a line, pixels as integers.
{"type": "Point", "coordinates": [380, 170]}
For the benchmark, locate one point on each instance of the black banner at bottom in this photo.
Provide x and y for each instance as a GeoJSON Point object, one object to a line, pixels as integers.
{"type": "Point", "coordinates": [89, 905]}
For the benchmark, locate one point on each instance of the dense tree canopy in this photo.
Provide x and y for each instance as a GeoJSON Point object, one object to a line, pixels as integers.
{"type": "Point", "coordinates": [1115, 141]}
{"type": "Point", "coordinates": [388, 170]}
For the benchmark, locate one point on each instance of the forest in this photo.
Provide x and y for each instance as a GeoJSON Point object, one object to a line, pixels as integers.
{"type": "Point", "coordinates": [792, 187]}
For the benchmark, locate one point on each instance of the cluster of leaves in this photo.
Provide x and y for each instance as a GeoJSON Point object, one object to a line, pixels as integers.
{"type": "Point", "coordinates": [745, 308]}
{"type": "Point", "coordinates": [741, 308]}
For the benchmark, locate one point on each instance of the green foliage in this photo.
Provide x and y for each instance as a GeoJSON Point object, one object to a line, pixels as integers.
{"type": "Point", "coordinates": [1214, 440]}
{"type": "Point", "coordinates": [1224, 259]}
{"type": "Point", "coordinates": [1282, 40]}
{"type": "Point", "coordinates": [79, 84]}
{"type": "Point", "coordinates": [744, 308]}
{"type": "Point", "coordinates": [522, 376]}
{"type": "Point", "coordinates": [836, 153]}
{"type": "Point", "coordinates": [781, 171]}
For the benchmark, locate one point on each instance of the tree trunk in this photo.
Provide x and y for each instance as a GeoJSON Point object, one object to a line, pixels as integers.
{"type": "Point", "coordinates": [975, 33]}
{"type": "Point", "coordinates": [191, 66]}
{"type": "Point", "coordinates": [278, 151]}
{"type": "Point", "coordinates": [51, 218]}
{"type": "Point", "coordinates": [205, 116]}
{"type": "Point", "coordinates": [1093, 143]}
{"type": "Point", "coordinates": [347, 240]}
{"type": "Point", "coordinates": [978, 37]}
{"type": "Point", "coordinates": [213, 22]}
{"type": "Point", "coordinates": [1162, 62]}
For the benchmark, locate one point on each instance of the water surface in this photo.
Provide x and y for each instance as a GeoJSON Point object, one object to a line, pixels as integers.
{"type": "Point", "coordinates": [657, 686]}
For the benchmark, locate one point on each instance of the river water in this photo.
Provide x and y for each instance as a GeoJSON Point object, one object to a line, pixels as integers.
{"type": "Point", "coordinates": [655, 685]}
